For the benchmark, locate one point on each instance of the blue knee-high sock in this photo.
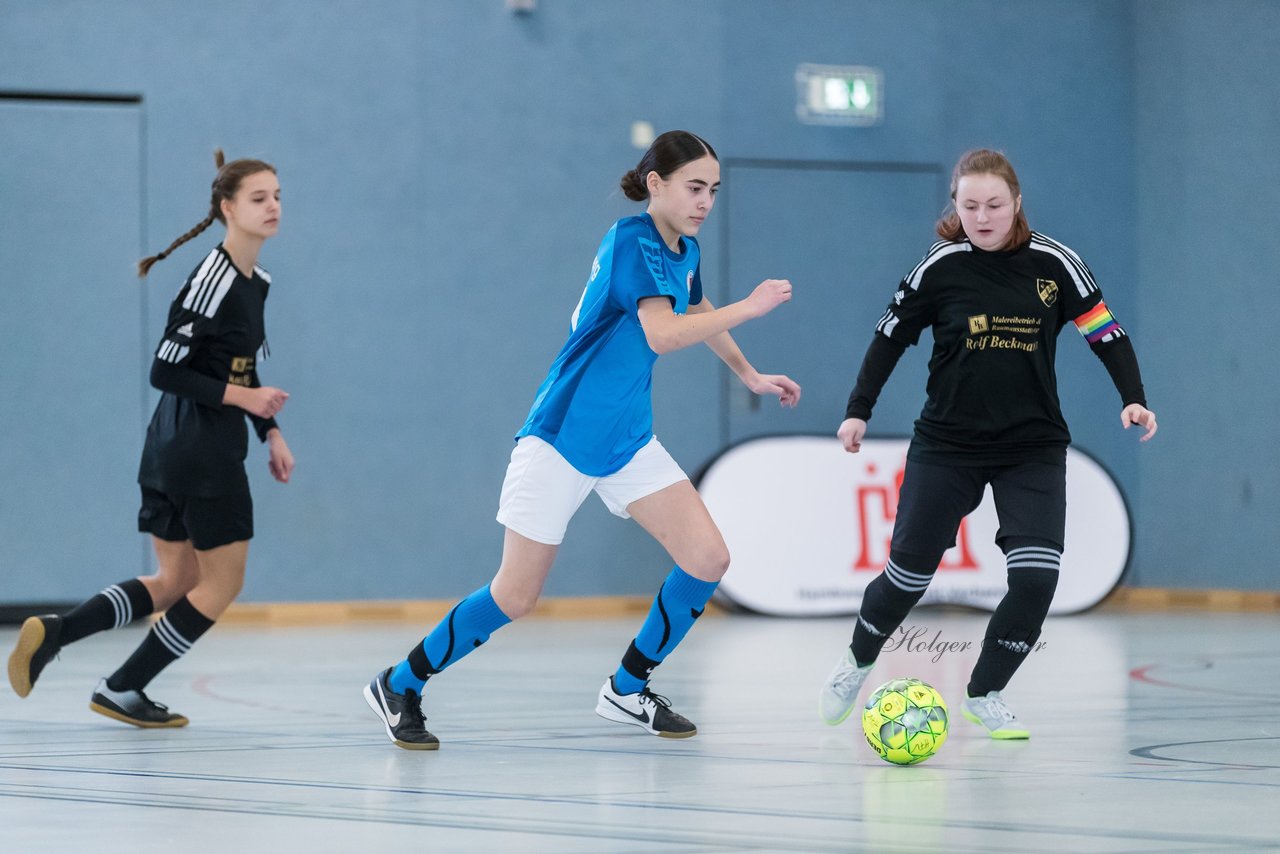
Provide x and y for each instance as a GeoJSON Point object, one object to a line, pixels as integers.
{"type": "Point", "coordinates": [467, 626]}
{"type": "Point", "coordinates": [681, 600]}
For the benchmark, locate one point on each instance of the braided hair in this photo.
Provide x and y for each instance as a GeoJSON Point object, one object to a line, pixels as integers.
{"type": "Point", "coordinates": [225, 185]}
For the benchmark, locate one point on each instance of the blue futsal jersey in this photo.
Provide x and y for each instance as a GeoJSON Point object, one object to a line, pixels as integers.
{"type": "Point", "coordinates": [594, 406]}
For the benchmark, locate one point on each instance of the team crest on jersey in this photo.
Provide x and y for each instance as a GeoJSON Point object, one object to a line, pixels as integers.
{"type": "Point", "coordinates": [1048, 291]}
{"type": "Point", "coordinates": [978, 324]}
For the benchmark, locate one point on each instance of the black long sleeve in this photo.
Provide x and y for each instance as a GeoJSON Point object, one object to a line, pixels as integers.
{"type": "Point", "coordinates": [881, 358]}
{"type": "Point", "coordinates": [261, 426]}
{"type": "Point", "coordinates": [185, 382]}
{"type": "Point", "coordinates": [1122, 364]}
{"type": "Point", "coordinates": [205, 390]}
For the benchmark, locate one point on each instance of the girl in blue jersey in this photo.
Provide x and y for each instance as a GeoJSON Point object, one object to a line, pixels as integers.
{"type": "Point", "coordinates": [591, 429]}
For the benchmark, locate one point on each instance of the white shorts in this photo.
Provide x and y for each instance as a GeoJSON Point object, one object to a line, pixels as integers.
{"type": "Point", "coordinates": [542, 490]}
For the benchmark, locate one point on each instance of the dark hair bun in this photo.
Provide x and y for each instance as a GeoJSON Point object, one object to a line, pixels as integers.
{"type": "Point", "coordinates": [633, 186]}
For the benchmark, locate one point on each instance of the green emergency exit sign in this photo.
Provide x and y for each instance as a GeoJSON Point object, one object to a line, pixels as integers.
{"type": "Point", "coordinates": [839, 94]}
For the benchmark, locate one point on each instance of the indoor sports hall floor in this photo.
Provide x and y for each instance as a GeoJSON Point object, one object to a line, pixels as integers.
{"type": "Point", "coordinates": [1151, 732]}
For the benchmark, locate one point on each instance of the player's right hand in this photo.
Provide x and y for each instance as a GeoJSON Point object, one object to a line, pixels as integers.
{"type": "Point", "coordinates": [770, 294]}
{"type": "Point", "coordinates": [264, 402]}
{"type": "Point", "coordinates": [850, 434]}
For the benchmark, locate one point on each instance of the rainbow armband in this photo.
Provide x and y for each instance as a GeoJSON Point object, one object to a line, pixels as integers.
{"type": "Point", "coordinates": [1098, 324]}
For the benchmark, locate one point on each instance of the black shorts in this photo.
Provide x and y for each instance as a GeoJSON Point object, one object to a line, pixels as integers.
{"type": "Point", "coordinates": [1030, 498]}
{"type": "Point", "coordinates": [206, 522]}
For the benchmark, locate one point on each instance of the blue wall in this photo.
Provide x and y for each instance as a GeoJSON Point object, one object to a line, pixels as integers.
{"type": "Point", "coordinates": [449, 167]}
{"type": "Point", "coordinates": [1206, 126]}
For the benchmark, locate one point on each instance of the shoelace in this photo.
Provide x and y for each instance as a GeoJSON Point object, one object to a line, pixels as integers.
{"type": "Point", "coordinates": [845, 680]}
{"type": "Point", "coordinates": [656, 699]}
{"type": "Point", "coordinates": [152, 703]}
{"type": "Point", "coordinates": [413, 706]}
{"type": "Point", "coordinates": [661, 703]}
{"type": "Point", "coordinates": [994, 707]}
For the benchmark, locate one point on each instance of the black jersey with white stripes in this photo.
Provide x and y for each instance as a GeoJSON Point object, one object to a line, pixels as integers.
{"type": "Point", "coordinates": [995, 319]}
{"type": "Point", "coordinates": [215, 335]}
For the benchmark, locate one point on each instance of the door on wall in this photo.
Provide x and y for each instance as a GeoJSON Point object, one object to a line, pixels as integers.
{"type": "Point", "coordinates": [74, 352]}
{"type": "Point", "coordinates": [845, 235]}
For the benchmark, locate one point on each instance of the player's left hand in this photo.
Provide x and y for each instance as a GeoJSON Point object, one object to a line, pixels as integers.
{"type": "Point", "coordinates": [786, 389]}
{"type": "Point", "coordinates": [1138, 414]}
{"type": "Point", "coordinates": [281, 458]}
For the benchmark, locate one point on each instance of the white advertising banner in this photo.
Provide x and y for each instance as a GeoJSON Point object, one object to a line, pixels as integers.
{"type": "Point", "coordinates": [808, 526]}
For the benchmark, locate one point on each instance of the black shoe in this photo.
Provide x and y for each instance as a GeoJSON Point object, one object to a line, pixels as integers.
{"type": "Point", "coordinates": [37, 644]}
{"type": "Point", "coordinates": [401, 714]}
{"type": "Point", "coordinates": [133, 707]}
{"type": "Point", "coordinates": [647, 710]}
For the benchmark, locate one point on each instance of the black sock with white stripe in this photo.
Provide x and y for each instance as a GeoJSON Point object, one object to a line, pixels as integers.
{"type": "Point", "coordinates": [117, 606]}
{"type": "Point", "coordinates": [169, 639]}
{"type": "Point", "coordinates": [1015, 626]}
{"type": "Point", "coordinates": [887, 600]}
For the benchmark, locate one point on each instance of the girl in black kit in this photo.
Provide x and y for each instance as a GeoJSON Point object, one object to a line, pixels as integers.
{"type": "Point", "coordinates": [995, 294]}
{"type": "Point", "coordinates": [195, 495]}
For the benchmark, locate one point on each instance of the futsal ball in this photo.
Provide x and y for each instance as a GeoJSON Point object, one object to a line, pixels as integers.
{"type": "Point", "coordinates": [905, 721]}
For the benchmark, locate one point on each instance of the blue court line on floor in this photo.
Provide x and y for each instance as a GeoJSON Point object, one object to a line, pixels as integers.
{"type": "Point", "coordinates": [1149, 752]}
{"type": "Point", "coordinates": [1195, 782]}
{"type": "Point", "coordinates": [1040, 829]}
{"type": "Point", "coordinates": [572, 828]}
{"type": "Point", "coordinates": [556, 744]}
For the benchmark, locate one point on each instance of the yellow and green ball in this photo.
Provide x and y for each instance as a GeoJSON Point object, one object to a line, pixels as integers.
{"type": "Point", "coordinates": [905, 721]}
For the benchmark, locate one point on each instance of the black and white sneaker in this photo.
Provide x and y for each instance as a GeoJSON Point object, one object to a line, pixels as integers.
{"type": "Point", "coordinates": [401, 714]}
{"type": "Point", "coordinates": [133, 707]}
{"type": "Point", "coordinates": [647, 710]}
{"type": "Point", "coordinates": [37, 644]}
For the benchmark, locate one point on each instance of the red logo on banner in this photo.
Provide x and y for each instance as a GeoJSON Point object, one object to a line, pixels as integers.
{"type": "Point", "coordinates": [876, 508]}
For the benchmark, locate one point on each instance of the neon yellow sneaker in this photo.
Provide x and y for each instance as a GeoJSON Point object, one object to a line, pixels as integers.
{"type": "Point", "coordinates": [840, 693]}
{"type": "Point", "coordinates": [991, 713]}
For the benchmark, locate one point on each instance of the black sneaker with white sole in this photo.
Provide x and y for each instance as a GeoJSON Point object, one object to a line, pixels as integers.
{"type": "Point", "coordinates": [133, 707]}
{"type": "Point", "coordinates": [401, 714]}
{"type": "Point", "coordinates": [37, 644]}
{"type": "Point", "coordinates": [647, 710]}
